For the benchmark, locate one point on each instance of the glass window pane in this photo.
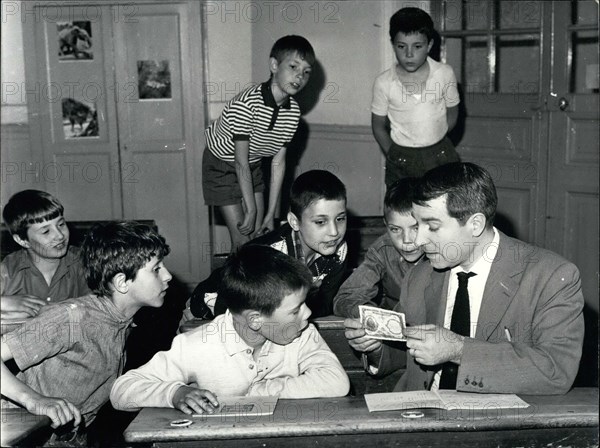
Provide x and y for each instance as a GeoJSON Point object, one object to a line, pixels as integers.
{"type": "Point", "coordinates": [475, 14]}
{"type": "Point", "coordinates": [475, 65]}
{"type": "Point", "coordinates": [519, 14]}
{"type": "Point", "coordinates": [584, 68]}
{"type": "Point", "coordinates": [584, 12]}
{"type": "Point", "coordinates": [518, 65]}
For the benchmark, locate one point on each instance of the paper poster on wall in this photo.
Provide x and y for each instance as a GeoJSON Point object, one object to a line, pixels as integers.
{"type": "Point", "coordinates": [154, 80]}
{"type": "Point", "coordinates": [79, 119]}
{"type": "Point", "coordinates": [74, 40]}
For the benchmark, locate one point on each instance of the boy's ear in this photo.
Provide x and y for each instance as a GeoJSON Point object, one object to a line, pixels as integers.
{"type": "Point", "coordinates": [120, 283]}
{"type": "Point", "coordinates": [254, 320]}
{"type": "Point", "coordinates": [21, 242]}
{"type": "Point", "coordinates": [273, 65]}
{"type": "Point", "coordinates": [430, 45]}
{"type": "Point", "coordinates": [293, 221]}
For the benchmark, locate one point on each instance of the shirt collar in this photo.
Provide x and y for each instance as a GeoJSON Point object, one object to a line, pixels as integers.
{"type": "Point", "coordinates": [233, 342]}
{"type": "Point", "coordinates": [482, 266]}
{"type": "Point", "coordinates": [269, 100]}
{"type": "Point", "coordinates": [22, 260]}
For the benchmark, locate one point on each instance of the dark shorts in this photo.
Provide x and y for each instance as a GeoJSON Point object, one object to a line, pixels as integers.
{"type": "Point", "coordinates": [220, 184]}
{"type": "Point", "coordinates": [403, 161]}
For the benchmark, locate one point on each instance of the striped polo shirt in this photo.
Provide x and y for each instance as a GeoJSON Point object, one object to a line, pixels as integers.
{"type": "Point", "coordinates": [253, 115]}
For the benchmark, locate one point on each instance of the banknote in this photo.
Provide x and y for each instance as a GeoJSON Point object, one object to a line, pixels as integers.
{"type": "Point", "coordinates": [382, 324]}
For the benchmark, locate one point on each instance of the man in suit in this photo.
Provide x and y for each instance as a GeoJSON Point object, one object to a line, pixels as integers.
{"type": "Point", "coordinates": [489, 313]}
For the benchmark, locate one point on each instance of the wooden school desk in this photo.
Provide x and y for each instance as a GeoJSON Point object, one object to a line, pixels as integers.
{"type": "Point", "coordinates": [21, 428]}
{"type": "Point", "coordinates": [564, 420]}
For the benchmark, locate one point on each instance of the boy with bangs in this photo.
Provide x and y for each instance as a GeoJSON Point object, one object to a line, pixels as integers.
{"type": "Point", "coordinates": [314, 234]}
{"type": "Point", "coordinates": [72, 351]}
{"type": "Point", "coordinates": [417, 98]}
{"type": "Point", "coordinates": [259, 122]}
{"type": "Point", "coordinates": [377, 280]}
{"type": "Point", "coordinates": [46, 269]}
{"type": "Point", "coordinates": [262, 346]}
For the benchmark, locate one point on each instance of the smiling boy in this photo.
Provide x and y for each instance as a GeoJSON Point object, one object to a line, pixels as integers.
{"type": "Point", "coordinates": [417, 98]}
{"type": "Point", "coordinates": [262, 346]}
{"type": "Point", "coordinates": [259, 122]}
{"type": "Point", "coordinates": [46, 269]}
{"type": "Point", "coordinates": [377, 280]}
{"type": "Point", "coordinates": [72, 351]}
{"type": "Point", "coordinates": [314, 234]}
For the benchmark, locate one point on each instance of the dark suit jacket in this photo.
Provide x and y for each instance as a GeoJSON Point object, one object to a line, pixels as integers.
{"type": "Point", "coordinates": [532, 292]}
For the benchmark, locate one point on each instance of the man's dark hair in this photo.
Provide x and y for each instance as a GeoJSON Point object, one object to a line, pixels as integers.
{"type": "Point", "coordinates": [118, 247]}
{"type": "Point", "coordinates": [259, 277]}
{"type": "Point", "coordinates": [469, 189]}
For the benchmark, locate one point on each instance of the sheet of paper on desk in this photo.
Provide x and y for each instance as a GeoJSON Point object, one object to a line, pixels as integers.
{"type": "Point", "coordinates": [443, 399]}
{"type": "Point", "coordinates": [382, 324]}
{"type": "Point", "coordinates": [243, 406]}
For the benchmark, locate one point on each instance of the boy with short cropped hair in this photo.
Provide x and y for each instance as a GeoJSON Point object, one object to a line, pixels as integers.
{"type": "Point", "coordinates": [46, 269]}
{"type": "Point", "coordinates": [388, 259]}
{"type": "Point", "coordinates": [259, 122]}
{"type": "Point", "coordinates": [262, 346]}
{"type": "Point", "coordinates": [72, 351]}
{"type": "Point", "coordinates": [314, 234]}
{"type": "Point", "coordinates": [418, 98]}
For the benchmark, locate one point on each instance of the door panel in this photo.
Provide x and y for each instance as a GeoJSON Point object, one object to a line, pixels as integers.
{"type": "Point", "coordinates": [152, 58]}
{"type": "Point", "coordinates": [77, 112]}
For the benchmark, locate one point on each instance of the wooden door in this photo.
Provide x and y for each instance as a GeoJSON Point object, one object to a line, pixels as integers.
{"type": "Point", "coordinates": [71, 109]}
{"type": "Point", "coordinates": [572, 203]}
{"type": "Point", "coordinates": [119, 117]}
{"type": "Point", "coordinates": [158, 126]}
{"type": "Point", "coordinates": [572, 217]}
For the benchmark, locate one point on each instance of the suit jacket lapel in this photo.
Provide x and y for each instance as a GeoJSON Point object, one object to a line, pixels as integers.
{"type": "Point", "coordinates": [435, 297]}
{"type": "Point", "coordinates": [500, 288]}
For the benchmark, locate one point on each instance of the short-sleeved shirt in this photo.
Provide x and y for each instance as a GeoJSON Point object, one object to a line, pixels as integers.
{"type": "Point", "coordinates": [253, 115]}
{"type": "Point", "coordinates": [416, 120]}
{"type": "Point", "coordinates": [73, 349]}
{"type": "Point", "coordinates": [19, 276]}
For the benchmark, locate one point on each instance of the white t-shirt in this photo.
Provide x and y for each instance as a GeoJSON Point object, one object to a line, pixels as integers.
{"type": "Point", "coordinates": [417, 120]}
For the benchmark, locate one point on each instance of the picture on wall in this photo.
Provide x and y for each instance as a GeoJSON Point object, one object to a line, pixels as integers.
{"type": "Point", "coordinates": [154, 80]}
{"type": "Point", "coordinates": [79, 119]}
{"type": "Point", "coordinates": [74, 40]}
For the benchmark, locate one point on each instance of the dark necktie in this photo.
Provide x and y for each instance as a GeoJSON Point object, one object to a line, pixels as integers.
{"type": "Point", "coordinates": [460, 324]}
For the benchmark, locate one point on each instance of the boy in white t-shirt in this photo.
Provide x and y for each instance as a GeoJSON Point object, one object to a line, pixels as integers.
{"type": "Point", "coordinates": [419, 97]}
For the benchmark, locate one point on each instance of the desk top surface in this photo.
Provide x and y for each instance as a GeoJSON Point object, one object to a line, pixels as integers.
{"type": "Point", "coordinates": [17, 424]}
{"type": "Point", "coordinates": [349, 415]}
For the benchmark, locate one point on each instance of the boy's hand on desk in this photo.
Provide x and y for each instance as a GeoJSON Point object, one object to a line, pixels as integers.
{"type": "Point", "coordinates": [357, 338]}
{"type": "Point", "coordinates": [192, 400]}
{"type": "Point", "coordinates": [60, 411]}
{"type": "Point", "coordinates": [22, 303]}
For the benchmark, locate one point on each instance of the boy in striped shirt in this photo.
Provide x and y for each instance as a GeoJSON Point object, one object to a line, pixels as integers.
{"type": "Point", "coordinates": [259, 122]}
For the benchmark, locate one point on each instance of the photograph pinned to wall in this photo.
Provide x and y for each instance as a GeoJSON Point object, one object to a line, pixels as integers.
{"type": "Point", "coordinates": [79, 119]}
{"type": "Point", "coordinates": [74, 40]}
{"type": "Point", "coordinates": [154, 80]}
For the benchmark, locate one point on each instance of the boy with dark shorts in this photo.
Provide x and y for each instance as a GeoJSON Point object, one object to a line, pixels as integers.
{"type": "Point", "coordinates": [418, 98]}
{"type": "Point", "coordinates": [259, 122]}
{"type": "Point", "coordinates": [314, 234]}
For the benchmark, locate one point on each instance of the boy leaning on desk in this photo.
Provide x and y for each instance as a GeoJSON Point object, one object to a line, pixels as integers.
{"type": "Point", "coordinates": [262, 346]}
{"type": "Point", "coordinates": [72, 351]}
